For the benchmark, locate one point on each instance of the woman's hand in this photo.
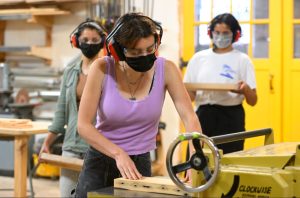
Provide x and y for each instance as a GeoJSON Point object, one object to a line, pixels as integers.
{"type": "Point", "coordinates": [127, 167]}
{"type": "Point", "coordinates": [242, 88]}
{"type": "Point", "coordinates": [46, 145]}
{"type": "Point", "coordinates": [250, 94]}
{"type": "Point", "coordinates": [45, 149]}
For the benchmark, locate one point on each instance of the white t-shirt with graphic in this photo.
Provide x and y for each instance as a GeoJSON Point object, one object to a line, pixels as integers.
{"type": "Point", "coordinates": [209, 67]}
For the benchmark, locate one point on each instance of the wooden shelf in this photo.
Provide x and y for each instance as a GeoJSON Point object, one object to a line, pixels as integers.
{"type": "Point", "coordinates": [6, 13]}
{"type": "Point", "coordinates": [41, 52]}
{"type": "Point", "coordinates": [37, 51]}
{"type": "Point", "coordinates": [43, 16]}
{"type": "Point", "coordinates": [11, 2]}
{"type": "Point", "coordinates": [14, 49]}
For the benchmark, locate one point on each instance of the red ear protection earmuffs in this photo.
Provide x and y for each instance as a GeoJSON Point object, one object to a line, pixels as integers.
{"type": "Point", "coordinates": [75, 34]}
{"type": "Point", "coordinates": [209, 33]}
{"type": "Point", "coordinates": [115, 49]}
{"type": "Point", "coordinates": [236, 37]}
{"type": "Point", "coordinates": [112, 47]}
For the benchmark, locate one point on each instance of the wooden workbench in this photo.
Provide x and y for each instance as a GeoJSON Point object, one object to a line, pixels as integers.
{"type": "Point", "coordinates": [21, 136]}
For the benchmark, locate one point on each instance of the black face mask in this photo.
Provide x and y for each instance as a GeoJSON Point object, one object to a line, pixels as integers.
{"type": "Point", "coordinates": [90, 50]}
{"type": "Point", "coordinates": [141, 63]}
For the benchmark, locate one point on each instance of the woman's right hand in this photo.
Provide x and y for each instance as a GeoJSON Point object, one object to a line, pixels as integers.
{"type": "Point", "coordinates": [127, 167]}
{"type": "Point", "coordinates": [45, 149]}
{"type": "Point", "coordinates": [46, 145]}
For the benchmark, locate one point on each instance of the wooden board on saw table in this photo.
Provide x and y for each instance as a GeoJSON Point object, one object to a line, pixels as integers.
{"type": "Point", "coordinates": [15, 123]}
{"type": "Point", "coordinates": [211, 86]}
{"type": "Point", "coordinates": [64, 162]}
{"type": "Point", "coordinates": [150, 184]}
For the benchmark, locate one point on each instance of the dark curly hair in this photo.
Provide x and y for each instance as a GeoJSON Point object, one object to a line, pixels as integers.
{"type": "Point", "coordinates": [134, 27]}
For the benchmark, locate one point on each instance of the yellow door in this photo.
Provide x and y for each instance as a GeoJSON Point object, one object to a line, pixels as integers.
{"type": "Point", "coordinates": [261, 40]}
{"type": "Point", "coordinates": [291, 70]}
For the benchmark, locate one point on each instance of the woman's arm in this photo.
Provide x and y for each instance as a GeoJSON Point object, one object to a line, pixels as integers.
{"type": "Point", "coordinates": [180, 97]}
{"type": "Point", "coordinates": [87, 111]}
{"type": "Point", "coordinates": [58, 122]}
{"type": "Point", "coordinates": [183, 104]}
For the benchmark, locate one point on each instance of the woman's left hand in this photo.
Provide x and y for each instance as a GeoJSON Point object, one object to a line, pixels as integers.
{"type": "Point", "coordinates": [242, 88]}
{"type": "Point", "coordinates": [127, 167]}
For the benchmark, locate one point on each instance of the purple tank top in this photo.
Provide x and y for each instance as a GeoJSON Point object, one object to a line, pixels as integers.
{"type": "Point", "coordinates": [131, 124]}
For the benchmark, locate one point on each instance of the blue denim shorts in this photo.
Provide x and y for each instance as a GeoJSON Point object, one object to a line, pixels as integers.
{"type": "Point", "coordinates": [99, 171]}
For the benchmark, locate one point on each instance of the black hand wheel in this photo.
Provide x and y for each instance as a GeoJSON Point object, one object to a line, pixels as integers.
{"type": "Point", "coordinates": [197, 161]}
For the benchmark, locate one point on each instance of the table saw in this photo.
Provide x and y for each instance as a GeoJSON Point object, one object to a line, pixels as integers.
{"type": "Point", "coordinates": [268, 171]}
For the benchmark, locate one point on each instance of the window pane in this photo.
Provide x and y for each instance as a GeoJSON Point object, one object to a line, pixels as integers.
{"type": "Point", "coordinates": [220, 7]}
{"type": "Point", "coordinates": [296, 41]}
{"type": "Point", "coordinates": [241, 9]}
{"type": "Point", "coordinates": [202, 10]}
{"type": "Point", "coordinates": [260, 9]}
{"type": "Point", "coordinates": [202, 40]}
{"type": "Point", "coordinates": [260, 45]}
{"type": "Point", "coordinates": [243, 42]}
{"type": "Point", "coordinates": [297, 9]}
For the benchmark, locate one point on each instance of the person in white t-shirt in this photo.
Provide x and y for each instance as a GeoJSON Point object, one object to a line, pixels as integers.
{"type": "Point", "coordinates": [221, 112]}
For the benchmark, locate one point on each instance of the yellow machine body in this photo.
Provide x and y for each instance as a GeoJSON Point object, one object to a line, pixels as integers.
{"type": "Point", "coordinates": [263, 172]}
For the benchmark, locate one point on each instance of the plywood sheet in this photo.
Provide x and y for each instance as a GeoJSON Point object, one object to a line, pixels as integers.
{"type": "Point", "coordinates": [150, 184]}
{"type": "Point", "coordinates": [210, 86]}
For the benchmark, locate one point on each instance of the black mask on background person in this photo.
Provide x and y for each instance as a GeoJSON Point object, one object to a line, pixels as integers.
{"type": "Point", "coordinates": [90, 50]}
{"type": "Point", "coordinates": [141, 63]}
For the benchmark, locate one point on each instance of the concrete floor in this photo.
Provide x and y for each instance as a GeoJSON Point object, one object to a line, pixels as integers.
{"type": "Point", "coordinates": [43, 187]}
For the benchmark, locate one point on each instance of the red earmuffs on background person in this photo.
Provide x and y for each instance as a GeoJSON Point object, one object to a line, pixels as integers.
{"type": "Point", "coordinates": [74, 36]}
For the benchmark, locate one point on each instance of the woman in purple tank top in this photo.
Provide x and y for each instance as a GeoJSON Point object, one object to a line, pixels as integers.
{"type": "Point", "coordinates": [125, 92]}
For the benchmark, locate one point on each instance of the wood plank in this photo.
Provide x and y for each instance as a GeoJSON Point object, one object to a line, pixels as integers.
{"type": "Point", "coordinates": [64, 162]}
{"type": "Point", "coordinates": [211, 86]}
{"type": "Point", "coordinates": [150, 184]}
{"type": "Point", "coordinates": [34, 11]}
{"type": "Point", "coordinates": [5, 2]}
{"type": "Point", "coordinates": [54, 1]}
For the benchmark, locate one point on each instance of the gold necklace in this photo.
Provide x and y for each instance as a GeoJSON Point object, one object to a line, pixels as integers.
{"type": "Point", "coordinates": [138, 82]}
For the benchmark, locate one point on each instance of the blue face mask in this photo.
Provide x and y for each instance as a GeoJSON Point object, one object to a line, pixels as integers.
{"type": "Point", "coordinates": [222, 41]}
{"type": "Point", "coordinates": [141, 63]}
